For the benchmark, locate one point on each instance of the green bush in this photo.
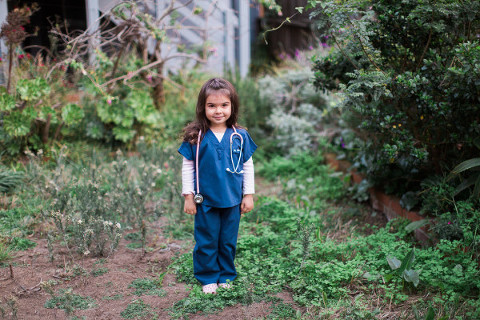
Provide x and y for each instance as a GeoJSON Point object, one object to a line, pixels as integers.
{"type": "Point", "coordinates": [296, 110]}
{"type": "Point", "coordinates": [408, 74]}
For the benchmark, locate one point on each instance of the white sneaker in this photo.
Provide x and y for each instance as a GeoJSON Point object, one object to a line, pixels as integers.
{"type": "Point", "coordinates": [210, 288]}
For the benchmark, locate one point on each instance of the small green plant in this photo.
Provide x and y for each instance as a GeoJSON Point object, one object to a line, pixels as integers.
{"type": "Point", "coordinates": [96, 272]}
{"type": "Point", "coordinates": [21, 243]}
{"type": "Point", "coordinates": [137, 309]}
{"type": "Point", "coordinates": [403, 269]}
{"type": "Point", "coordinates": [114, 297]}
{"type": "Point", "coordinates": [5, 252]}
{"type": "Point", "coordinates": [146, 286]}
{"type": "Point", "coordinates": [10, 307]}
{"type": "Point", "coordinates": [69, 301]}
{"type": "Point", "coordinates": [473, 165]}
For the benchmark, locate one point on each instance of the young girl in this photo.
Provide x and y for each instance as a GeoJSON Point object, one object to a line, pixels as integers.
{"type": "Point", "coordinates": [218, 182]}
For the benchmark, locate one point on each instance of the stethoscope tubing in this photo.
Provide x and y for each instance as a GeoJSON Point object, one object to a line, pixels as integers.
{"type": "Point", "coordinates": [235, 168]}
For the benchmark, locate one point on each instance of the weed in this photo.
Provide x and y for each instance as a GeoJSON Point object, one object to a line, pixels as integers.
{"type": "Point", "coordinates": [69, 301]}
{"type": "Point", "coordinates": [282, 310]}
{"type": "Point", "coordinates": [98, 271]}
{"type": "Point", "coordinates": [134, 245]}
{"type": "Point", "coordinates": [114, 297]}
{"type": "Point", "coordinates": [21, 243]}
{"type": "Point", "coordinates": [146, 286]}
{"type": "Point", "coordinates": [10, 307]}
{"type": "Point", "coordinates": [137, 309]}
{"type": "Point", "coordinates": [5, 252]}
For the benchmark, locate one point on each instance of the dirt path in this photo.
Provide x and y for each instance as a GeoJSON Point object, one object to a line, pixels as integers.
{"type": "Point", "coordinates": [107, 281]}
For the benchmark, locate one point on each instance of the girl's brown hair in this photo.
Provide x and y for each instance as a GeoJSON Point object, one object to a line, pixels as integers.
{"type": "Point", "coordinates": [190, 132]}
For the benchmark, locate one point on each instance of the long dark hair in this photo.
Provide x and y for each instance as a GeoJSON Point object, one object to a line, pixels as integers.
{"type": "Point", "coordinates": [190, 132]}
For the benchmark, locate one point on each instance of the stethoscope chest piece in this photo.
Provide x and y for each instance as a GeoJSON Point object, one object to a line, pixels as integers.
{"type": "Point", "coordinates": [198, 198]}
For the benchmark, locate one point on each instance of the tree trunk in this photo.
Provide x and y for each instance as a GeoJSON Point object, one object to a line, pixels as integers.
{"type": "Point", "coordinates": [158, 93]}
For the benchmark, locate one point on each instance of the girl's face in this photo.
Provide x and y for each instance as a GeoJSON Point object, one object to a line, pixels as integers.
{"type": "Point", "coordinates": [218, 108]}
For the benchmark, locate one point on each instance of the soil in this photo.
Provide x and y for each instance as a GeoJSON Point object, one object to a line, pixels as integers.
{"type": "Point", "coordinates": [22, 282]}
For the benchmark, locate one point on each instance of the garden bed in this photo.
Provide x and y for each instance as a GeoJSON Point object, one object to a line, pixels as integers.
{"type": "Point", "coordinates": [389, 205]}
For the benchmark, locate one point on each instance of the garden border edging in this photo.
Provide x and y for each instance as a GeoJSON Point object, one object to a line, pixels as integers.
{"type": "Point", "coordinates": [389, 205]}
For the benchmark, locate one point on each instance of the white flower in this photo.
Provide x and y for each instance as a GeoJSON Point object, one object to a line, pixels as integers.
{"type": "Point", "coordinates": [153, 184]}
{"type": "Point", "coordinates": [86, 252]}
{"type": "Point", "coordinates": [159, 171]}
{"type": "Point", "coordinates": [80, 221]}
{"type": "Point", "coordinates": [118, 225]}
{"type": "Point", "coordinates": [142, 138]}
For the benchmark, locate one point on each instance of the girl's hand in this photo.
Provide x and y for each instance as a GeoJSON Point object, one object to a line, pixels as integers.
{"type": "Point", "coordinates": [247, 203]}
{"type": "Point", "coordinates": [190, 207]}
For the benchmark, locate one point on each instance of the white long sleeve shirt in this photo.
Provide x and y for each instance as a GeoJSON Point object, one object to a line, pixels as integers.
{"type": "Point", "coordinates": [188, 171]}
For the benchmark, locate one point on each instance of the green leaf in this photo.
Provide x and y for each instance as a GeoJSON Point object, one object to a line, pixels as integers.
{"type": "Point", "coordinates": [415, 225]}
{"type": "Point", "coordinates": [7, 102]}
{"type": "Point", "coordinates": [393, 262]}
{"type": "Point", "coordinates": [299, 9]}
{"type": "Point", "coordinates": [16, 124]}
{"type": "Point", "coordinates": [412, 276]}
{"type": "Point", "coordinates": [197, 10]}
{"type": "Point", "coordinates": [45, 111]}
{"type": "Point", "coordinates": [388, 277]}
{"type": "Point", "coordinates": [466, 183]}
{"type": "Point", "coordinates": [407, 262]}
{"type": "Point", "coordinates": [465, 165]}
{"type": "Point", "coordinates": [32, 89]}
{"type": "Point", "coordinates": [430, 314]}
{"type": "Point", "coordinates": [72, 114]}
{"type": "Point", "coordinates": [123, 134]}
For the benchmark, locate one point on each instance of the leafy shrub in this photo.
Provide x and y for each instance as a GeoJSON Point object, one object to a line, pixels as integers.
{"type": "Point", "coordinates": [34, 108]}
{"type": "Point", "coordinates": [415, 106]}
{"type": "Point", "coordinates": [296, 110]}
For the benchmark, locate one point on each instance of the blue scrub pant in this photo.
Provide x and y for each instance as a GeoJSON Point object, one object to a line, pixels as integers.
{"type": "Point", "coordinates": [216, 232]}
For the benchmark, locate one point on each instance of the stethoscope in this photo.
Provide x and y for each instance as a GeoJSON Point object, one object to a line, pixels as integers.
{"type": "Point", "coordinates": [198, 198]}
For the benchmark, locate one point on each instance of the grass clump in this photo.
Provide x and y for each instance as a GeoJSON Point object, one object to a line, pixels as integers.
{"type": "Point", "coordinates": [146, 286]}
{"type": "Point", "coordinates": [138, 309]}
{"type": "Point", "coordinates": [69, 301]}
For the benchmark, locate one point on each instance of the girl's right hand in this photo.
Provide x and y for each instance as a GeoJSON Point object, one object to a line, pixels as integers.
{"type": "Point", "coordinates": [190, 206]}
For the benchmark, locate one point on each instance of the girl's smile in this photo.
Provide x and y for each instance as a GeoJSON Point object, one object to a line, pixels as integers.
{"type": "Point", "coordinates": [218, 109]}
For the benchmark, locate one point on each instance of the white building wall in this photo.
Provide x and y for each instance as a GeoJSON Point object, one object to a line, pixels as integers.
{"type": "Point", "coordinates": [221, 23]}
{"type": "Point", "coordinates": [3, 48]}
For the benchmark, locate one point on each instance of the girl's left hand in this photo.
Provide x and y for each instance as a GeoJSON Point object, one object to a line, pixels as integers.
{"type": "Point", "coordinates": [247, 204]}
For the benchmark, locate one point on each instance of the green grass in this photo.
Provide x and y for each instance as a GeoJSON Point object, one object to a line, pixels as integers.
{"type": "Point", "coordinates": [96, 272]}
{"type": "Point", "coordinates": [69, 301]}
{"type": "Point", "coordinates": [320, 253]}
{"type": "Point", "coordinates": [138, 309]}
{"type": "Point", "coordinates": [147, 286]}
{"type": "Point", "coordinates": [5, 253]}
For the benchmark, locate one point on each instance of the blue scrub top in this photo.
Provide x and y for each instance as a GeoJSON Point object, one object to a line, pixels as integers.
{"type": "Point", "coordinates": [220, 188]}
